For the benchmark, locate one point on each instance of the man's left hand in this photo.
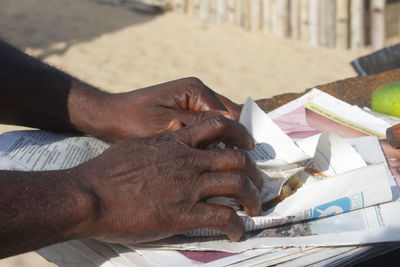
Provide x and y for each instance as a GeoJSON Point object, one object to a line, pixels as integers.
{"type": "Point", "coordinates": [160, 108]}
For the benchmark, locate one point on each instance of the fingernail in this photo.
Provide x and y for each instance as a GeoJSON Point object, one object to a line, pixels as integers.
{"type": "Point", "coordinates": [227, 115]}
{"type": "Point", "coordinates": [253, 213]}
{"type": "Point", "coordinates": [174, 125]}
{"type": "Point", "coordinates": [236, 237]}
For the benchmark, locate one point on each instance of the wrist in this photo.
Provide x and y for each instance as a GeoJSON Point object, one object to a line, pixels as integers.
{"type": "Point", "coordinates": [55, 206]}
{"type": "Point", "coordinates": [87, 108]}
{"type": "Point", "coordinates": [83, 202]}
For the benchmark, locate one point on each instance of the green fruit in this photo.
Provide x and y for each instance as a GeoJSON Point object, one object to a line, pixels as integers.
{"type": "Point", "coordinates": [386, 99]}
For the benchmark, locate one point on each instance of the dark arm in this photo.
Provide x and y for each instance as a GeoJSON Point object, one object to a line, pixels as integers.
{"type": "Point", "coordinates": [37, 95]}
{"type": "Point", "coordinates": [40, 208]}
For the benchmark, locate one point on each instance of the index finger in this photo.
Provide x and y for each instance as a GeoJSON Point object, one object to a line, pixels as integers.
{"type": "Point", "coordinates": [233, 108]}
{"type": "Point", "coordinates": [205, 99]}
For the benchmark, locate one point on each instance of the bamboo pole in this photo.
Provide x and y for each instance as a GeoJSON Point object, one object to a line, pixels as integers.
{"type": "Point", "coordinates": [304, 24]}
{"type": "Point", "coordinates": [194, 8]}
{"type": "Point", "coordinates": [212, 11]}
{"type": "Point", "coordinates": [204, 10]}
{"type": "Point", "coordinates": [282, 26]}
{"type": "Point", "coordinates": [357, 35]}
{"type": "Point", "coordinates": [231, 11]}
{"type": "Point", "coordinates": [295, 19]}
{"type": "Point", "coordinates": [268, 15]}
{"type": "Point", "coordinates": [327, 31]}
{"type": "Point", "coordinates": [190, 7]}
{"type": "Point", "coordinates": [378, 24]}
{"type": "Point", "coordinates": [331, 23]}
{"type": "Point", "coordinates": [239, 12]}
{"type": "Point", "coordinates": [177, 5]}
{"type": "Point", "coordinates": [322, 39]}
{"type": "Point", "coordinates": [255, 15]}
{"type": "Point", "coordinates": [342, 24]}
{"type": "Point", "coordinates": [221, 11]}
{"type": "Point", "coordinates": [275, 18]}
{"type": "Point", "coordinates": [246, 14]}
{"type": "Point", "coordinates": [313, 19]}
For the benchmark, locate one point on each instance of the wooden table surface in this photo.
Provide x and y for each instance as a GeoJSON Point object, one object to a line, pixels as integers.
{"type": "Point", "coordinates": [356, 91]}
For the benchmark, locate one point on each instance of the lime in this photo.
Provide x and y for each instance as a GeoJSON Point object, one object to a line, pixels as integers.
{"type": "Point", "coordinates": [386, 99]}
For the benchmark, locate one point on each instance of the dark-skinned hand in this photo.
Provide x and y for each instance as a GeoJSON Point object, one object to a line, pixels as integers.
{"type": "Point", "coordinates": [146, 189]}
{"type": "Point", "coordinates": [160, 108]}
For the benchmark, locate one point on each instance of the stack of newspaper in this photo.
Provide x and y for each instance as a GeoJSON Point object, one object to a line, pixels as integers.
{"type": "Point", "coordinates": [330, 195]}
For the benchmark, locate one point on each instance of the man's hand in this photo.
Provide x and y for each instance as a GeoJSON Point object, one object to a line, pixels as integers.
{"type": "Point", "coordinates": [151, 188]}
{"type": "Point", "coordinates": [157, 109]}
{"type": "Point", "coordinates": [138, 190]}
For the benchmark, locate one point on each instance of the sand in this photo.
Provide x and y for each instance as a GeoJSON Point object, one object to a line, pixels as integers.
{"type": "Point", "coordinates": [119, 50]}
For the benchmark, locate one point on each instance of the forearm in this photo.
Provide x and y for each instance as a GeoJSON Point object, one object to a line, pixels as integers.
{"type": "Point", "coordinates": [37, 95]}
{"type": "Point", "coordinates": [41, 208]}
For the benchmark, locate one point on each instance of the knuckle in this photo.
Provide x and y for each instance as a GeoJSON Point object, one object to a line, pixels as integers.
{"type": "Point", "coordinates": [200, 116]}
{"type": "Point", "coordinates": [242, 159]}
{"type": "Point", "coordinates": [247, 159]}
{"type": "Point", "coordinates": [242, 180]}
{"type": "Point", "coordinates": [181, 137]}
{"type": "Point", "coordinates": [188, 161]}
{"type": "Point", "coordinates": [227, 217]}
{"type": "Point", "coordinates": [218, 121]}
{"type": "Point", "coordinates": [169, 137]}
{"type": "Point", "coordinates": [193, 82]}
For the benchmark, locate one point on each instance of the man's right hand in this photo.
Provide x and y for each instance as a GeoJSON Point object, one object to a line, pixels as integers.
{"type": "Point", "coordinates": [151, 188]}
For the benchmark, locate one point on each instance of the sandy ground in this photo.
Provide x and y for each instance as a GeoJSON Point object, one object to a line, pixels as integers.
{"type": "Point", "coordinates": [118, 50]}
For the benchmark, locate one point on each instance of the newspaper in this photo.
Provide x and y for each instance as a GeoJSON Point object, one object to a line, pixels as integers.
{"type": "Point", "coordinates": [341, 180]}
{"type": "Point", "coordinates": [368, 225]}
{"type": "Point", "coordinates": [94, 253]}
{"type": "Point", "coordinates": [374, 224]}
{"type": "Point", "coordinates": [40, 150]}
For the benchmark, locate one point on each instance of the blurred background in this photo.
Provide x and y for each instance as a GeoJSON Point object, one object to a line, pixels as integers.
{"type": "Point", "coordinates": [239, 48]}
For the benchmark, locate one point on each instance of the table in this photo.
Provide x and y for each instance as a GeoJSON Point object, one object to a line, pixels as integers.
{"type": "Point", "coordinates": [356, 91]}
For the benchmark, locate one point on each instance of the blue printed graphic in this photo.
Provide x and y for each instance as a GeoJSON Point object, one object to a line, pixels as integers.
{"type": "Point", "coordinates": [331, 208]}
